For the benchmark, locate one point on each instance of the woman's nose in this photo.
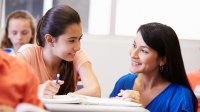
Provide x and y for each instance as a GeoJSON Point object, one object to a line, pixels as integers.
{"type": "Point", "coordinates": [134, 53]}
{"type": "Point", "coordinates": [19, 36]}
{"type": "Point", "coordinates": [77, 46]}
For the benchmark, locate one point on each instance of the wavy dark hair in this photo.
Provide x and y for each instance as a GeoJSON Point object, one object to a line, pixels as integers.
{"type": "Point", "coordinates": [18, 14]}
{"type": "Point", "coordinates": [164, 41]}
{"type": "Point", "coordinates": [54, 22]}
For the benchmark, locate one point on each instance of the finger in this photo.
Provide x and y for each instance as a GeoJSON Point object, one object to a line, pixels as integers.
{"type": "Point", "coordinates": [131, 99]}
{"type": "Point", "coordinates": [52, 90]}
{"type": "Point", "coordinates": [52, 87]}
{"type": "Point", "coordinates": [127, 99]}
{"type": "Point", "coordinates": [120, 93]}
{"type": "Point", "coordinates": [48, 92]}
{"type": "Point", "coordinates": [60, 82]}
{"type": "Point", "coordinates": [135, 100]}
{"type": "Point", "coordinates": [126, 94]}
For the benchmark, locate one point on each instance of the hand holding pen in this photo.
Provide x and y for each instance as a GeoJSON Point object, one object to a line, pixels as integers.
{"type": "Point", "coordinates": [50, 87]}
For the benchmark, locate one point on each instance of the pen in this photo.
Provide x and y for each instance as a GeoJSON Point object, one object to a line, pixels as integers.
{"type": "Point", "coordinates": [57, 78]}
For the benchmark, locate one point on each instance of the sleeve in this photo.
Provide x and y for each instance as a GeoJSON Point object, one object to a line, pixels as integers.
{"type": "Point", "coordinates": [125, 82]}
{"type": "Point", "coordinates": [117, 87]}
{"type": "Point", "coordinates": [80, 58]}
{"type": "Point", "coordinates": [183, 101]}
{"type": "Point", "coordinates": [31, 88]}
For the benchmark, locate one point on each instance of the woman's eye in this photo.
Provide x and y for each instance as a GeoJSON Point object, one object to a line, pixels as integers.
{"type": "Point", "coordinates": [71, 41]}
{"type": "Point", "coordinates": [25, 33]}
{"type": "Point", "coordinates": [14, 33]}
{"type": "Point", "coordinates": [144, 51]}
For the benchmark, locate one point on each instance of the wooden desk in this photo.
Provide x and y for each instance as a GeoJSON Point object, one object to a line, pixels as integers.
{"type": "Point", "coordinates": [91, 108]}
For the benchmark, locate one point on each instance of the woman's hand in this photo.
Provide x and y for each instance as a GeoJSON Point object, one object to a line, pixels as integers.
{"type": "Point", "coordinates": [130, 95]}
{"type": "Point", "coordinates": [49, 88]}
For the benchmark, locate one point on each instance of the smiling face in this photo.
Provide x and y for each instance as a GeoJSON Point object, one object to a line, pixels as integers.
{"type": "Point", "coordinates": [68, 43]}
{"type": "Point", "coordinates": [143, 59]}
{"type": "Point", "coordinates": [19, 32]}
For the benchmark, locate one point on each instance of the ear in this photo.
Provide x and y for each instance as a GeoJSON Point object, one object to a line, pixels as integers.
{"type": "Point", "coordinates": [49, 40]}
{"type": "Point", "coordinates": [163, 61]}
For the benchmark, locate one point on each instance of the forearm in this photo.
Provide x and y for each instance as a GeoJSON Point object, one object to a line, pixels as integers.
{"type": "Point", "coordinates": [94, 91]}
{"type": "Point", "coordinates": [89, 80]}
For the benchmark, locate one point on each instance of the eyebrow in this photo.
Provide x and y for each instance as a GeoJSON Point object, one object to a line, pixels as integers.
{"type": "Point", "coordinates": [75, 37]}
{"type": "Point", "coordinates": [144, 47]}
{"type": "Point", "coordinates": [141, 46]}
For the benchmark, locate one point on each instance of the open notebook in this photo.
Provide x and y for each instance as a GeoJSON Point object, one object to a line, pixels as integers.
{"type": "Point", "coordinates": [72, 98]}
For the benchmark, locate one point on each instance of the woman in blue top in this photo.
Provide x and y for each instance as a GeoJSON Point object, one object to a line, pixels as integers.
{"type": "Point", "coordinates": [158, 79]}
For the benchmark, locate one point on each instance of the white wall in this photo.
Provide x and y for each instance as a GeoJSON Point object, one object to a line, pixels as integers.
{"type": "Point", "coordinates": [110, 57]}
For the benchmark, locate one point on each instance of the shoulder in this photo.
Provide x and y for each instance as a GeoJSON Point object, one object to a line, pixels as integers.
{"type": "Point", "coordinates": [28, 52]}
{"type": "Point", "coordinates": [126, 81]}
{"type": "Point", "coordinates": [180, 90]}
{"type": "Point", "coordinates": [13, 63]}
{"type": "Point", "coordinates": [182, 98]}
{"type": "Point", "coordinates": [10, 60]}
{"type": "Point", "coordinates": [129, 76]}
{"type": "Point", "coordinates": [27, 47]}
{"type": "Point", "coordinates": [184, 89]}
{"type": "Point", "coordinates": [123, 83]}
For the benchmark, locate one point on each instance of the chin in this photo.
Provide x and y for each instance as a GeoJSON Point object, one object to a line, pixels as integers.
{"type": "Point", "coordinates": [134, 71]}
{"type": "Point", "coordinates": [69, 59]}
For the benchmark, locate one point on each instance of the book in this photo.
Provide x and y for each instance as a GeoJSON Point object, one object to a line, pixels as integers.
{"type": "Point", "coordinates": [72, 98]}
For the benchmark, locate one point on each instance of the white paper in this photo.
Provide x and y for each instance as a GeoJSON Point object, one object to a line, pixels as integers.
{"type": "Point", "coordinates": [87, 100]}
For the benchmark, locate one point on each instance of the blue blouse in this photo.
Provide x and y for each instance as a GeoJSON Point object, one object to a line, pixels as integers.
{"type": "Point", "coordinates": [174, 98]}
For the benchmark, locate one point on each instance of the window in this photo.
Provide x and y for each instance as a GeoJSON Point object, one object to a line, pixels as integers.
{"type": "Point", "coordinates": [33, 6]}
{"type": "Point", "coordinates": [81, 6]}
{"type": "Point", "coordinates": [122, 17]}
{"type": "Point", "coordinates": [183, 16]}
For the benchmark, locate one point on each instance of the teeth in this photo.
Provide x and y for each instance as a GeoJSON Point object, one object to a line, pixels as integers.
{"type": "Point", "coordinates": [134, 63]}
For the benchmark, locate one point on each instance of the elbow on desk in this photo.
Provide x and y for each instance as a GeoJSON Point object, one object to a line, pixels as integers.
{"type": "Point", "coordinates": [95, 91]}
{"type": "Point", "coordinates": [98, 91]}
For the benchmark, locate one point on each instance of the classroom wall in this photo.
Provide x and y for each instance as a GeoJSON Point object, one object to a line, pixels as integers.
{"type": "Point", "coordinates": [110, 57]}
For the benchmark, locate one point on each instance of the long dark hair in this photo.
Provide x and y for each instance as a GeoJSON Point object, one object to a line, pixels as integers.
{"type": "Point", "coordinates": [18, 14]}
{"type": "Point", "coordinates": [164, 41]}
{"type": "Point", "coordinates": [54, 22]}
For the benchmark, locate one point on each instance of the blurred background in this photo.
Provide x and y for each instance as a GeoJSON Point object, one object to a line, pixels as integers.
{"type": "Point", "coordinates": [109, 27]}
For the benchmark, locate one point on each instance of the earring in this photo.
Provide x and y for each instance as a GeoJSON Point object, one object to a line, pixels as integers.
{"type": "Point", "coordinates": [161, 69]}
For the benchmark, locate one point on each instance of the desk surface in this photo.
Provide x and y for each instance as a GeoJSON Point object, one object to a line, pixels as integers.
{"type": "Point", "coordinates": [91, 108]}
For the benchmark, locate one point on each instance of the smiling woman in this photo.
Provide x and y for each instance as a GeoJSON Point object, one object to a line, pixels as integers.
{"type": "Point", "coordinates": [58, 51]}
{"type": "Point", "coordinates": [158, 79]}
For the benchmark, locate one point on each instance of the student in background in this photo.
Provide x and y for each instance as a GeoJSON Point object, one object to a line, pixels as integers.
{"type": "Point", "coordinates": [158, 79]}
{"type": "Point", "coordinates": [18, 85]}
{"type": "Point", "coordinates": [19, 30]}
{"type": "Point", "coordinates": [194, 79]}
{"type": "Point", "coordinates": [57, 51]}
